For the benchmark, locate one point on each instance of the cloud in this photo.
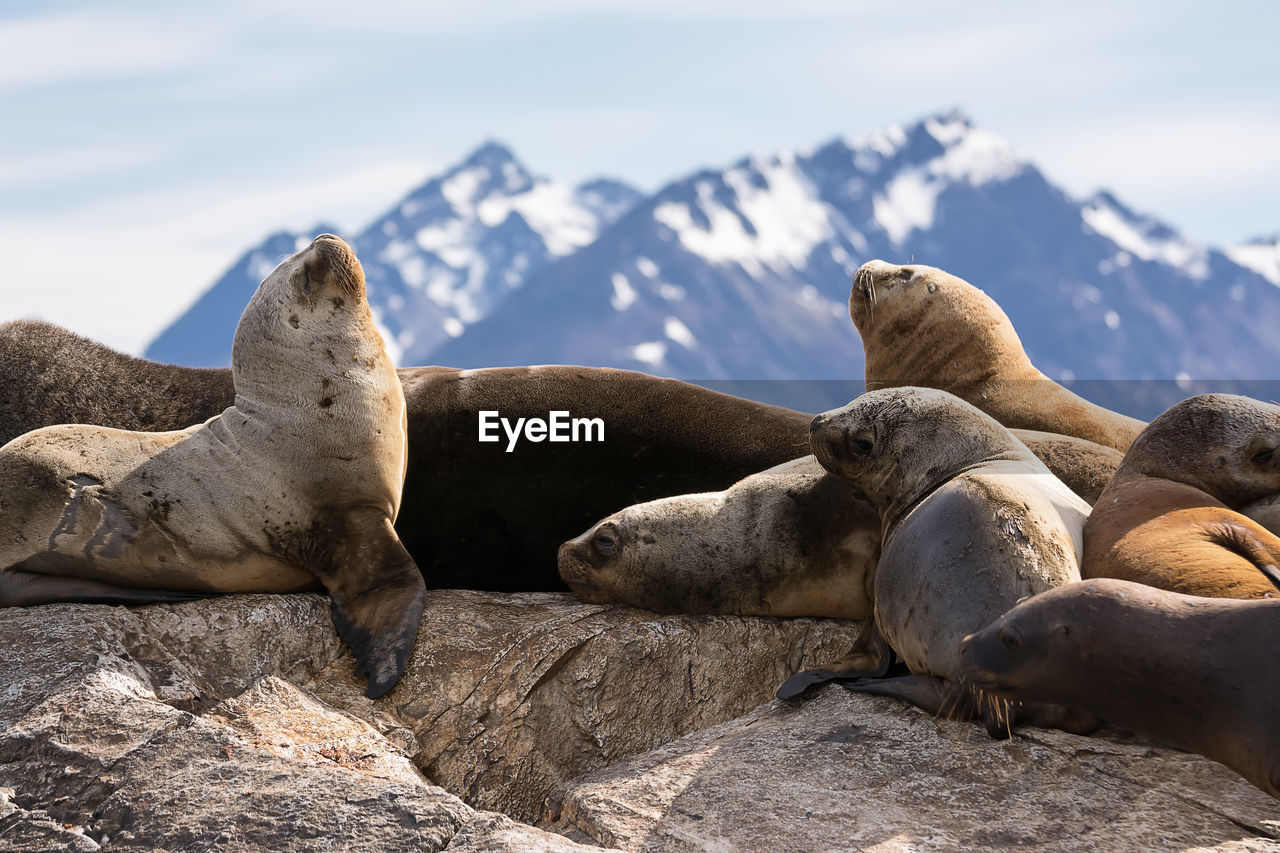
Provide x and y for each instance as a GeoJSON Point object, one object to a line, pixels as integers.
{"type": "Point", "coordinates": [64, 48]}
{"type": "Point", "coordinates": [122, 270]}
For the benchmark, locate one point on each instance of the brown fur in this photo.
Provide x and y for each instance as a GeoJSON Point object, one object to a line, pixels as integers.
{"type": "Point", "coordinates": [1200, 674]}
{"type": "Point", "coordinates": [1168, 517]}
{"type": "Point", "coordinates": [921, 326]}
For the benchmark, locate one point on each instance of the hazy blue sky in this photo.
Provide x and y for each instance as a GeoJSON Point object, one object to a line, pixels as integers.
{"type": "Point", "coordinates": [143, 146]}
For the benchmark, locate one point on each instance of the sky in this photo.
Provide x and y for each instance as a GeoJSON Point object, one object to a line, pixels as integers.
{"type": "Point", "coordinates": [144, 146]}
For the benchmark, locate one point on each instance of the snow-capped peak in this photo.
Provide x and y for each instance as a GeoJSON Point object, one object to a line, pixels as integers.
{"type": "Point", "coordinates": [1142, 236]}
{"type": "Point", "coordinates": [455, 246]}
{"type": "Point", "coordinates": [938, 152]}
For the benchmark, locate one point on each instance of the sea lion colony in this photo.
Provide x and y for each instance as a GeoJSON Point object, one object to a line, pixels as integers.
{"type": "Point", "coordinates": [920, 510]}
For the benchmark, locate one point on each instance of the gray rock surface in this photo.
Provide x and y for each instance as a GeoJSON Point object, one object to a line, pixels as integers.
{"type": "Point", "coordinates": [509, 697]}
{"type": "Point", "coordinates": [854, 772]}
{"type": "Point", "coordinates": [198, 726]}
{"type": "Point", "coordinates": [237, 723]}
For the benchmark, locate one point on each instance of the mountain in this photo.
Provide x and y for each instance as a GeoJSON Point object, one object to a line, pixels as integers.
{"type": "Point", "coordinates": [743, 273]}
{"type": "Point", "coordinates": [201, 336]}
{"type": "Point", "coordinates": [440, 259]}
{"type": "Point", "coordinates": [462, 242]}
{"type": "Point", "coordinates": [1261, 254]}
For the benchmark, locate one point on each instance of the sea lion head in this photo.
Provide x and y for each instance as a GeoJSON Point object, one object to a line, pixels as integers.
{"type": "Point", "coordinates": [309, 313]}
{"type": "Point", "coordinates": [898, 444]}
{"type": "Point", "coordinates": [1032, 651]}
{"type": "Point", "coordinates": [653, 555]}
{"type": "Point", "coordinates": [922, 325]}
{"type": "Point", "coordinates": [1222, 444]}
{"type": "Point", "coordinates": [317, 290]}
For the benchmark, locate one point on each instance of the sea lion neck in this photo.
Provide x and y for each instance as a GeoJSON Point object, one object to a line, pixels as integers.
{"type": "Point", "coordinates": [894, 503]}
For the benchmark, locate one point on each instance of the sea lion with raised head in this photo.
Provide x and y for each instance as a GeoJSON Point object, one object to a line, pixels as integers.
{"type": "Point", "coordinates": [1197, 673]}
{"type": "Point", "coordinates": [922, 326]}
{"type": "Point", "coordinates": [295, 487]}
{"type": "Point", "coordinates": [972, 523]}
{"type": "Point", "coordinates": [1169, 516]}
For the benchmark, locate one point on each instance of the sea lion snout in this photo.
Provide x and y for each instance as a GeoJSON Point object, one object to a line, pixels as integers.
{"type": "Point", "coordinates": [578, 569]}
{"type": "Point", "coordinates": [988, 656]}
{"type": "Point", "coordinates": [329, 260]}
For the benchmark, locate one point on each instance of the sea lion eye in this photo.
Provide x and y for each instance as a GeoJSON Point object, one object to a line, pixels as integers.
{"type": "Point", "coordinates": [1010, 639]}
{"type": "Point", "coordinates": [604, 542]}
{"type": "Point", "coordinates": [1263, 456]}
{"type": "Point", "coordinates": [860, 446]}
{"type": "Point", "coordinates": [906, 273]}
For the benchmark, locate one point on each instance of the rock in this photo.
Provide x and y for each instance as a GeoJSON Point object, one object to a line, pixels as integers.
{"type": "Point", "coordinates": [849, 771]}
{"type": "Point", "coordinates": [491, 832]}
{"type": "Point", "coordinates": [24, 830]}
{"type": "Point", "coordinates": [238, 722]}
{"type": "Point", "coordinates": [509, 697]}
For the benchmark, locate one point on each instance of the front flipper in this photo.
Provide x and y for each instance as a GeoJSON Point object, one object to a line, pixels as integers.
{"type": "Point", "coordinates": [1250, 543]}
{"type": "Point", "coordinates": [870, 657]}
{"type": "Point", "coordinates": [946, 699]}
{"type": "Point", "coordinates": [28, 589]}
{"type": "Point", "coordinates": [378, 595]}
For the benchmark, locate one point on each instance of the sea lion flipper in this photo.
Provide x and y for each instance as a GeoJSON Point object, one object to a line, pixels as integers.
{"type": "Point", "coordinates": [28, 589]}
{"type": "Point", "coordinates": [870, 657]}
{"type": "Point", "coordinates": [928, 692]}
{"type": "Point", "coordinates": [378, 595]}
{"type": "Point", "coordinates": [1245, 541]}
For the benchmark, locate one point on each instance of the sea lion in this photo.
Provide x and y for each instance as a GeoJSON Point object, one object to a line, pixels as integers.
{"type": "Point", "coordinates": [1168, 518]}
{"type": "Point", "coordinates": [295, 487]}
{"type": "Point", "coordinates": [54, 376]}
{"type": "Point", "coordinates": [923, 326]}
{"type": "Point", "coordinates": [1196, 673]}
{"type": "Point", "coordinates": [972, 523]}
{"type": "Point", "coordinates": [790, 541]}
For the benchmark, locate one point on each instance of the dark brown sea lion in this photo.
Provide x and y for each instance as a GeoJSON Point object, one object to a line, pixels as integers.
{"type": "Point", "coordinates": [1198, 673]}
{"type": "Point", "coordinates": [1169, 516]}
{"type": "Point", "coordinates": [923, 326]}
{"type": "Point", "coordinates": [972, 522]}
{"type": "Point", "coordinates": [294, 487]}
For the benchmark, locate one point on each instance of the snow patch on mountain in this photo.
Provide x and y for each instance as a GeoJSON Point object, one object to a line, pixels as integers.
{"type": "Point", "coordinates": [969, 155]}
{"type": "Point", "coordinates": [762, 212]}
{"type": "Point", "coordinates": [1142, 236]}
{"type": "Point", "coordinates": [1262, 255]}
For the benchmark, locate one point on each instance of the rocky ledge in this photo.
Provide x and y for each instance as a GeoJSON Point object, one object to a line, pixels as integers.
{"type": "Point", "coordinates": [235, 723]}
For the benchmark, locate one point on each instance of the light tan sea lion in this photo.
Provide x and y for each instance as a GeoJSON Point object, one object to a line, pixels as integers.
{"type": "Point", "coordinates": [295, 487]}
{"type": "Point", "coordinates": [789, 541]}
{"type": "Point", "coordinates": [922, 326]}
